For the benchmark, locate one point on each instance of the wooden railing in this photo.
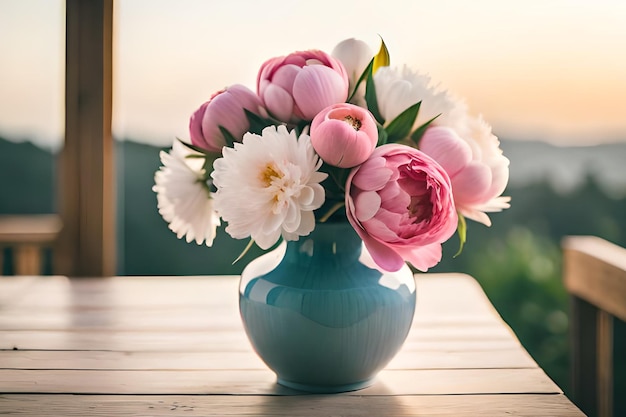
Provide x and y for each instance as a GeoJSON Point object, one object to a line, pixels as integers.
{"type": "Point", "coordinates": [27, 236]}
{"type": "Point", "coordinates": [594, 273]}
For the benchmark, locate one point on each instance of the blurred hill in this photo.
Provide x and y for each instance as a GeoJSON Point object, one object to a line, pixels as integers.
{"type": "Point", "coordinates": [567, 168]}
{"type": "Point", "coordinates": [27, 179]}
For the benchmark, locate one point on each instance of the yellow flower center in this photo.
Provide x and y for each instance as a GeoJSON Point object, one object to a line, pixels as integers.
{"type": "Point", "coordinates": [352, 121]}
{"type": "Point", "coordinates": [269, 173]}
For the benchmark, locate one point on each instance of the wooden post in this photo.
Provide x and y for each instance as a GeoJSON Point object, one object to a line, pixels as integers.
{"type": "Point", "coordinates": [605, 364]}
{"type": "Point", "coordinates": [594, 272]}
{"type": "Point", "coordinates": [86, 245]}
{"type": "Point", "coordinates": [584, 361]}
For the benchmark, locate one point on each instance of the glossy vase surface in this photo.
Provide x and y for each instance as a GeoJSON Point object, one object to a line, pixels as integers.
{"type": "Point", "coordinates": [321, 315]}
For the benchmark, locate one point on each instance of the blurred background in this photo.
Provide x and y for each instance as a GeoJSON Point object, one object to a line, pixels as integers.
{"type": "Point", "coordinates": [549, 76]}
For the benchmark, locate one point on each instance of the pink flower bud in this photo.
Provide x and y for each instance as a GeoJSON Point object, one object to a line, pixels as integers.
{"type": "Point", "coordinates": [298, 86]}
{"type": "Point", "coordinates": [400, 203]}
{"type": "Point", "coordinates": [226, 109]}
{"type": "Point", "coordinates": [344, 135]}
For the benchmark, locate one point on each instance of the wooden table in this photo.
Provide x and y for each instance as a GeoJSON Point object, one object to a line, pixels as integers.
{"type": "Point", "coordinates": [175, 346]}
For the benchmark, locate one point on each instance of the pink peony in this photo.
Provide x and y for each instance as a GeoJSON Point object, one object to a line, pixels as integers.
{"type": "Point", "coordinates": [344, 135]}
{"type": "Point", "coordinates": [298, 86]}
{"type": "Point", "coordinates": [400, 203]}
{"type": "Point", "coordinates": [226, 109]}
{"type": "Point", "coordinates": [478, 170]}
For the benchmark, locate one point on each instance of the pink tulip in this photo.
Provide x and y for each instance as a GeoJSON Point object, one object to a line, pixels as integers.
{"type": "Point", "coordinates": [226, 109]}
{"type": "Point", "coordinates": [344, 135]}
{"type": "Point", "coordinates": [478, 170]}
{"type": "Point", "coordinates": [400, 203]}
{"type": "Point", "coordinates": [298, 86]}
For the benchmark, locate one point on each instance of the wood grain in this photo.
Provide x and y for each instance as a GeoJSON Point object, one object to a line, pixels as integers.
{"type": "Point", "coordinates": [198, 341]}
{"type": "Point", "coordinates": [282, 406]}
{"type": "Point", "coordinates": [262, 382]}
{"type": "Point", "coordinates": [205, 360]}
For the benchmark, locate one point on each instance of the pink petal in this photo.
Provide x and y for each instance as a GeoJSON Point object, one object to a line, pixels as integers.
{"type": "Point", "coordinates": [476, 215]}
{"type": "Point", "coordinates": [195, 126]}
{"type": "Point", "coordinates": [366, 205]}
{"type": "Point", "coordinates": [278, 102]}
{"type": "Point", "coordinates": [471, 184]}
{"type": "Point", "coordinates": [328, 140]}
{"type": "Point", "coordinates": [285, 76]}
{"type": "Point", "coordinates": [380, 227]}
{"type": "Point", "coordinates": [422, 257]}
{"type": "Point", "coordinates": [372, 175]}
{"type": "Point", "coordinates": [317, 87]}
{"type": "Point", "coordinates": [447, 148]}
{"type": "Point", "coordinates": [384, 256]}
{"type": "Point", "coordinates": [499, 178]}
{"type": "Point", "coordinates": [394, 202]}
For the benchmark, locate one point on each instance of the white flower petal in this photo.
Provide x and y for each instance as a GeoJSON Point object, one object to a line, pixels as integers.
{"type": "Point", "coordinates": [267, 184]}
{"type": "Point", "coordinates": [183, 198]}
{"type": "Point", "coordinates": [397, 90]}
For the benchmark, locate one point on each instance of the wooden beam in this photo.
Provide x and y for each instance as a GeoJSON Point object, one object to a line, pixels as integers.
{"type": "Point", "coordinates": [86, 245]}
{"type": "Point", "coordinates": [595, 270]}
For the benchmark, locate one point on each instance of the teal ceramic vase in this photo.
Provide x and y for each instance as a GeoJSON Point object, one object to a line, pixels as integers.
{"type": "Point", "coordinates": [321, 315]}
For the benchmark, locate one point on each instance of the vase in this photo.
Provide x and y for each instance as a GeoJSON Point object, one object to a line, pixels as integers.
{"type": "Point", "coordinates": [321, 315]}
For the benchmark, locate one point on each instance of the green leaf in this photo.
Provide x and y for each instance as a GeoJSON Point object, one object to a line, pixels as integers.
{"type": "Point", "coordinates": [257, 123]}
{"type": "Point", "coordinates": [301, 126]}
{"type": "Point", "coordinates": [382, 57]}
{"type": "Point", "coordinates": [382, 135]}
{"type": "Point", "coordinates": [416, 136]}
{"type": "Point", "coordinates": [230, 139]}
{"type": "Point", "coordinates": [362, 78]}
{"type": "Point", "coordinates": [194, 147]}
{"type": "Point", "coordinates": [462, 231]}
{"type": "Point", "coordinates": [208, 164]}
{"type": "Point", "coordinates": [370, 98]}
{"type": "Point", "coordinates": [401, 126]}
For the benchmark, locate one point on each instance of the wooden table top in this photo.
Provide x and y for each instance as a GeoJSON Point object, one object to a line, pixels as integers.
{"type": "Point", "coordinates": [175, 346]}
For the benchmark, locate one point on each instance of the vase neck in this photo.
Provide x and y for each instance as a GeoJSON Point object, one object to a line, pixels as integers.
{"type": "Point", "coordinates": [337, 240]}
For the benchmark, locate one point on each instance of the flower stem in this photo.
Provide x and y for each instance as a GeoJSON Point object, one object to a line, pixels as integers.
{"type": "Point", "coordinates": [332, 210]}
{"type": "Point", "coordinates": [246, 249]}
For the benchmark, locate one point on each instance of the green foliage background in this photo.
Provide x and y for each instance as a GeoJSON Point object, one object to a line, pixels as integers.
{"type": "Point", "coordinates": [517, 260]}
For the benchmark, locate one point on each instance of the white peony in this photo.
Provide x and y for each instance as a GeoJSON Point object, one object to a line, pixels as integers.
{"type": "Point", "coordinates": [397, 90]}
{"type": "Point", "coordinates": [183, 195]}
{"type": "Point", "coordinates": [268, 186]}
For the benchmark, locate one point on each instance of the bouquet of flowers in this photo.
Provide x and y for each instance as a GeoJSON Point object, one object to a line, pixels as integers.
{"type": "Point", "coordinates": [335, 137]}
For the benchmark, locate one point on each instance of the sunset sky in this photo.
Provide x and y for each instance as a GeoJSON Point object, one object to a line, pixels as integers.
{"type": "Point", "coordinates": [551, 70]}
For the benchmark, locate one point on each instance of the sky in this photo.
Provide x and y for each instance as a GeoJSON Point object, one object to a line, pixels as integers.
{"type": "Point", "coordinates": [551, 70]}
